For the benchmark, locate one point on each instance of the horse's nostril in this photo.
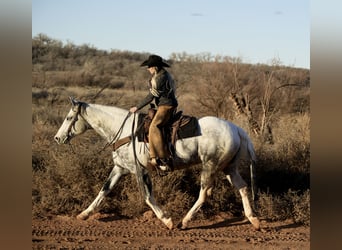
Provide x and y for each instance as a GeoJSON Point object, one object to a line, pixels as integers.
{"type": "Point", "coordinates": [56, 139]}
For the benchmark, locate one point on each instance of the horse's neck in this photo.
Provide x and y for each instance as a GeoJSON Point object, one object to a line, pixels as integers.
{"type": "Point", "coordinates": [107, 120]}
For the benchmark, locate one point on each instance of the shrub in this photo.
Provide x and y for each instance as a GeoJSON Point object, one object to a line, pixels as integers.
{"type": "Point", "coordinates": [291, 205]}
{"type": "Point", "coordinates": [66, 182]}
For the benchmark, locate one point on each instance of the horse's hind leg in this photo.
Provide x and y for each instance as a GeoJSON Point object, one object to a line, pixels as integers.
{"type": "Point", "coordinates": [236, 180]}
{"type": "Point", "coordinates": [113, 178]}
{"type": "Point", "coordinates": [201, 199]}
{"type": "Point", "coordinates": [206, 188]}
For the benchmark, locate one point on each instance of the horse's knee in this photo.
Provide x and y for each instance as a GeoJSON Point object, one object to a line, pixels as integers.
{"type": "Point", "coordinates": [147, 182]}
{"type": "Point", "coordinates": [106, 186]}
{"type": "Point", "coordinates": [113, 178]}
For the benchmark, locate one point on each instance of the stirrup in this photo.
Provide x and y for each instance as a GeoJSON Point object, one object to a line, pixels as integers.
{"type": "Point", "coordinates": [164, 168]}
{"type": "Point", "coordinates": [166, 165]}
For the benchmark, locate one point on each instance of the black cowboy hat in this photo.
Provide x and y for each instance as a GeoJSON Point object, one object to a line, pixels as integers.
{"type": "Point", "coordinates": [154, 61]}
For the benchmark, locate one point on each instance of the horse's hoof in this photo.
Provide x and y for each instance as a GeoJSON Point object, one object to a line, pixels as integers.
{"type": "Point", "coordinates": [168, 222]}
{"type": "Point", "coordinates": [255, 222]}
{"type": "Point", "coordinates": [82, 216]}
{"type": "Point", "coordinates": [184, 226]}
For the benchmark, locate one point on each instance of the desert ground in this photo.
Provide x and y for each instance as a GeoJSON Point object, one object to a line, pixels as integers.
{"type": "Point", "coordinates": [108, 231]}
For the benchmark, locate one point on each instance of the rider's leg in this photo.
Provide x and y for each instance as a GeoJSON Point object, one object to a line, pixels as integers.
{"type": "Point", "coordinates": [158, 148]}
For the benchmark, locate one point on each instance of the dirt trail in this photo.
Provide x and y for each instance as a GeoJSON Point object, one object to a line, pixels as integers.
{"type": "Point", "coordinates": [147, 232]}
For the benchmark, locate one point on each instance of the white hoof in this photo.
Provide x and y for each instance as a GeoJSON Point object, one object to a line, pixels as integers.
{"type": "Point", "coordinates": [184, 225]}
{"type": "Point", "coordinates": [168, 222]}
{"type": "Point", "coordinates": [82, 216]}
{"type": "Point", "coordinates": [255, 222]}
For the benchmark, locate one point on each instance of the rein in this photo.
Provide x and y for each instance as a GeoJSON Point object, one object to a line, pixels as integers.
{"type": "Point", "coordinates": [115, 140]}
{"type": "Point", "coordinates": [138, 164]}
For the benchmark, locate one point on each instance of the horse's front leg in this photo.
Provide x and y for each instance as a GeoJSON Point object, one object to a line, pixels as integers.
{"type": "Point", "coordinates": [150, 201]}
{"type": "Point", "coordinates": [113, 178]}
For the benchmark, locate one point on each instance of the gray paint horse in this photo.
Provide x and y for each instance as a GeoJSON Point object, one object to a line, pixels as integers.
{"type": "Point", "coordinates": [219, 148]}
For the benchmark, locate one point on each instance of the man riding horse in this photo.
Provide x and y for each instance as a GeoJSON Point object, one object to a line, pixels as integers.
{"type": "Point", "coordinates": [162, 92]}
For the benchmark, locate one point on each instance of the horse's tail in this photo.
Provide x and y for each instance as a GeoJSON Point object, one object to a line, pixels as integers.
{"type": "Point", "coordinates": [250, 154]}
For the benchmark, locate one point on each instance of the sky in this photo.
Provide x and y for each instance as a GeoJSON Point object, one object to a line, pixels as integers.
{"type": "Point", "coordinates": [256, 31]}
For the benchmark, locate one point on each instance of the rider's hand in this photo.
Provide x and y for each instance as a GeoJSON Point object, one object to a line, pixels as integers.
{"type": "Point", "coordinates": [133, 109]}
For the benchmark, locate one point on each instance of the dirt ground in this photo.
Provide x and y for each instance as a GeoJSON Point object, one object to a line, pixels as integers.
{"type": "Point", "coordinates": [108, 231]}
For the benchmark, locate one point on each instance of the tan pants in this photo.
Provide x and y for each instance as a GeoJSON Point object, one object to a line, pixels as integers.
{"type": "Point", "coordinates": [158, 148]}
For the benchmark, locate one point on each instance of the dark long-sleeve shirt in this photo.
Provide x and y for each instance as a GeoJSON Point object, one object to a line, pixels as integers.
{"type": "Point", "coordinates": [162, 90]}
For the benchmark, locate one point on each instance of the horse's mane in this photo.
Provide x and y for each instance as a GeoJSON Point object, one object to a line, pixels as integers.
{"type": "Point", "coordinates": [112, 110]}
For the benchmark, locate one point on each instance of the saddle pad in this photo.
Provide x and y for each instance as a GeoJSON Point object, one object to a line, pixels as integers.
{"type": "Point", "coordinates": [190, 129]}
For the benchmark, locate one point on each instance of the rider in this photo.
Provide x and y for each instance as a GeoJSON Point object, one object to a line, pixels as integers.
{"type": "Point", "coordinates": [162, 92]}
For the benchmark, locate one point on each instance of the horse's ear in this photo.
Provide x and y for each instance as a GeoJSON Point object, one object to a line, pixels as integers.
{"type": "Point", "coordinates": [73, 101]}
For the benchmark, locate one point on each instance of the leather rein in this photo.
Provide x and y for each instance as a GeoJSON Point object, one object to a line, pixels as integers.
{"type": "Point", "coordinates": [117, 143]}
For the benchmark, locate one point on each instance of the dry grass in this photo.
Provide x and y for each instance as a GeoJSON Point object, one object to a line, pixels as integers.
{"type": "Point", "coordinates": [67, 179]}
{"type": "Point", "coordinates": [293, 204]}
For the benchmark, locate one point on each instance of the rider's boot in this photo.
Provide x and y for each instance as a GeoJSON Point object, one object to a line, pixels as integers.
{"type": "Point", "coordinates": [166, 165]}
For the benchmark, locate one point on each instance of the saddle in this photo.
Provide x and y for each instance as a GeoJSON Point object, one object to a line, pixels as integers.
{"type": "Point", "coordinates": [179, 127]}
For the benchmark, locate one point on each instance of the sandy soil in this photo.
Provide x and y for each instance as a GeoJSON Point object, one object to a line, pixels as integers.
{"type": "Point", "coordinates": [108, 231]}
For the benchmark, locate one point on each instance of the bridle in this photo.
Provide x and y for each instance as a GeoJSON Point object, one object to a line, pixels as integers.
{"type": "Point", "coordinates": [74, 120]}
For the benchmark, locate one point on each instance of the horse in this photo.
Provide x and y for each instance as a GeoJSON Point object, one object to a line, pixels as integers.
{"type": "Point", "coordinates": [219, 147]}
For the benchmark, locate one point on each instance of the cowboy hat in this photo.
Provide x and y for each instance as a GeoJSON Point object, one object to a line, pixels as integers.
{"type": "Point", "coordinates": [154, 61]}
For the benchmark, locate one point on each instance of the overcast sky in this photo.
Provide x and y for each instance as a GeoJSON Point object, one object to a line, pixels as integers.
{"type": "Point", "coordinates": [257, 31]}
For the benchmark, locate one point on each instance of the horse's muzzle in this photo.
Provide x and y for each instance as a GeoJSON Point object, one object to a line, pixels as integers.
{"type": "Point", "coordinates": [60, 140]}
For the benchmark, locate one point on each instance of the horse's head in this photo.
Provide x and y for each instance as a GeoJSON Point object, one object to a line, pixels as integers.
{"type": "Point", "coordinates": [74, 123]}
